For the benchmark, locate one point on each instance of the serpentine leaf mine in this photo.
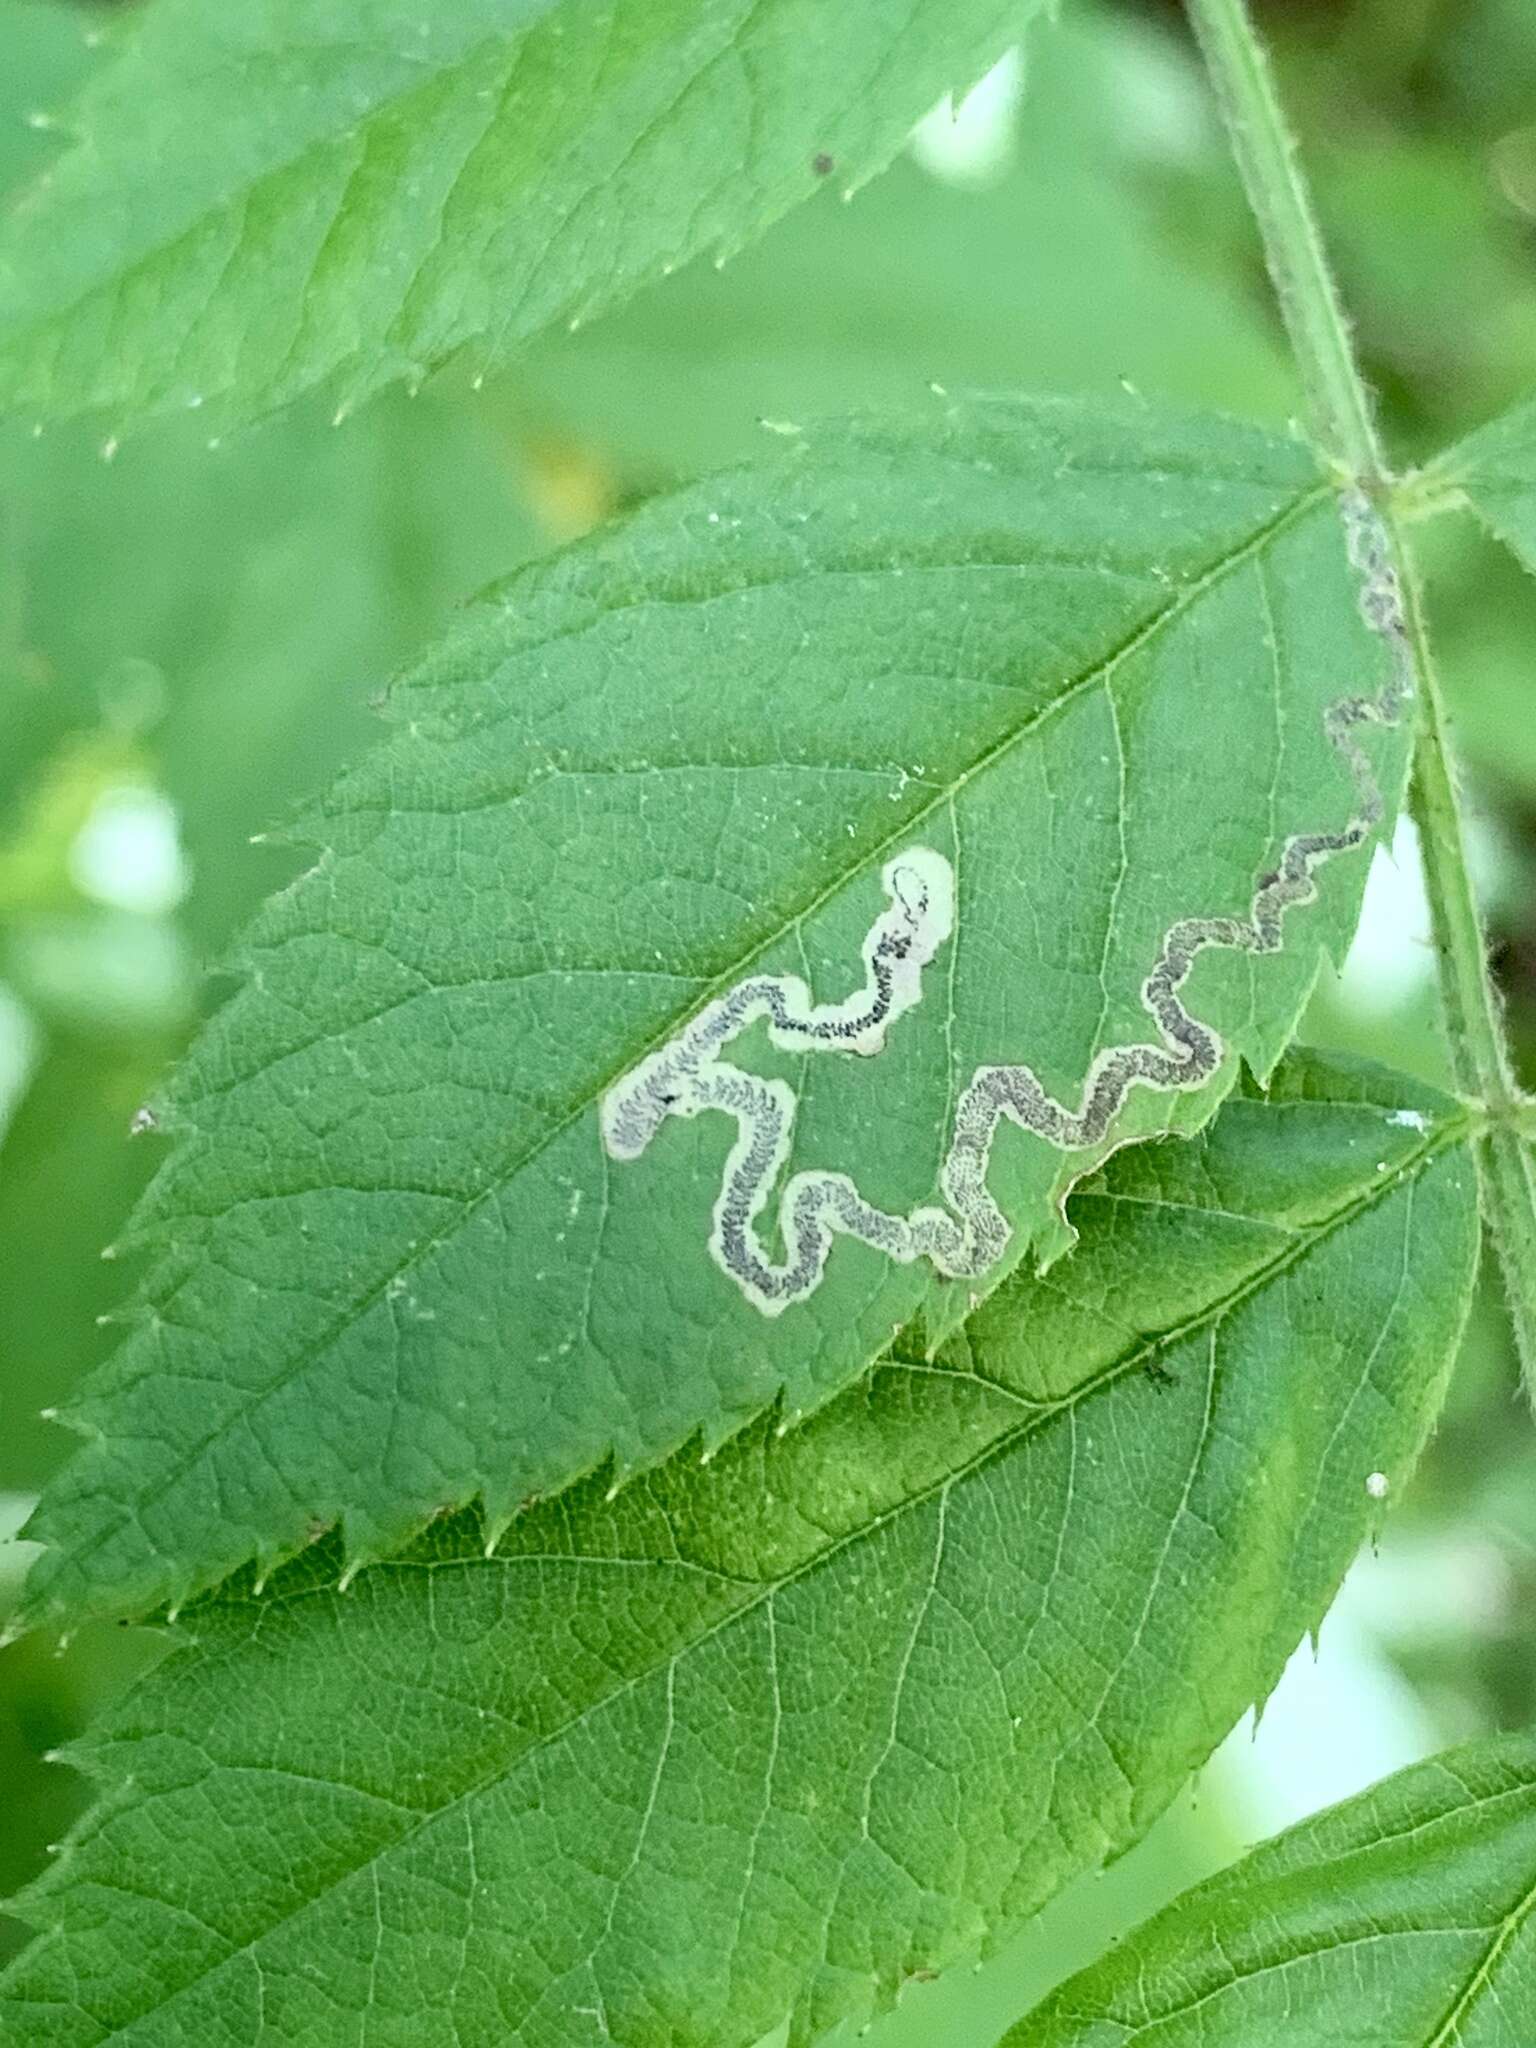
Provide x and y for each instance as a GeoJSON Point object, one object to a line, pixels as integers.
{"type": "Point", "coordinates": [970, 1233]}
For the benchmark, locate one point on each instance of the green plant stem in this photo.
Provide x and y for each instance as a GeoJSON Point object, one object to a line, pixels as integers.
{"type": "Point", "coordinates": [1293, 242]}
{"type": "Point", "coordinates": [1346, 427]}
{"type": "Point", "coordinates": [1474, 1027]}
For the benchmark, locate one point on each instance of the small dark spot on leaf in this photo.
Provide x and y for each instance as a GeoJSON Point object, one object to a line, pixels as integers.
{"type": "Point", "coordinates": [822, 164]}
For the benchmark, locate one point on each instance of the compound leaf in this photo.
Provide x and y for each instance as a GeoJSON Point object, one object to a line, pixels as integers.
{"type": "Point", "coordinates": [265, 197]}
{"type": "Point", "coordinates": [1034, 726]}
{"type": "Point", "coordinates": [1405, 1918]}
{"type": "Point", "coordinates": [764, 1735]}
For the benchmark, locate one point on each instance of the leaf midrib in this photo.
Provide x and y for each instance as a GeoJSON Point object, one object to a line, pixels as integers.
{"type": "Point", "coordinates": [497, 1178]}
{"type": "Point", "coordinates": [1133, 1360]}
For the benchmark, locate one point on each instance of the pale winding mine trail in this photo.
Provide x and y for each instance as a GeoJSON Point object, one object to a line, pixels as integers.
{"type": "Point", "coordinates": [971, 1233]}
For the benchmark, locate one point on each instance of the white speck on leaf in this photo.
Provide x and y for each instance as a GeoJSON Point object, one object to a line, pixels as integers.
{"type": "Point", "coordinates": [1409, 1119]}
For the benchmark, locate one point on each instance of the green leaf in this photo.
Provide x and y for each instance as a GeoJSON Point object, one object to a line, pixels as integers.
{"type": "Point", "coordinates": [46, 59]}
{"type": "Point", "coordinates": [229, 610]}
{"type": "Point", "coordinates": [165, 625]}
{"type": "Point", "coordinates": [917, 690]}
{"type": "Point", "coordinates": [769, 1733]}
{"type": "Point", "coordinates": [213, 616]}
{"type": "Point", "coordinates": [977, 288]}
{"type": "Point", "coordinates": [67, 1171]}
{"type": "Point", "coordinates": [1404, 1918]}
{"type": "Point", "coordinates": [269, 197]}
{"type": "Point", "coordinates": [1496, 468]}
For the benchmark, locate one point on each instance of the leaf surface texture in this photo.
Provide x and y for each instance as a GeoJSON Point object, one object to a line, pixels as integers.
{"type": "Point", "coordinates": [762, 1736]}
{"type": "Point", "coordinates": [297, 193]}
{"type": "Point", "coordinates": [1496, 467]}
{"type": "Point", "coordinates": [397, 1259]}
{"type": "Point", "coordinates": [1401, 1919]}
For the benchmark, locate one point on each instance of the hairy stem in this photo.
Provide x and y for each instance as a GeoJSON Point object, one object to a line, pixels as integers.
{"type": "Point", "coordinates": [1345, 426]}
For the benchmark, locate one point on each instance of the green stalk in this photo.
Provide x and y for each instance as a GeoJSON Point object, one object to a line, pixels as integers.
{"type": "Point", "coordinates": [1346, 428]}
{"type": "Point", "coordinates": [1293, 241]}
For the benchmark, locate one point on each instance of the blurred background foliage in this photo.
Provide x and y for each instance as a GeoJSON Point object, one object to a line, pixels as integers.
{"type": "Point", "coordinates": [190, 634]}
